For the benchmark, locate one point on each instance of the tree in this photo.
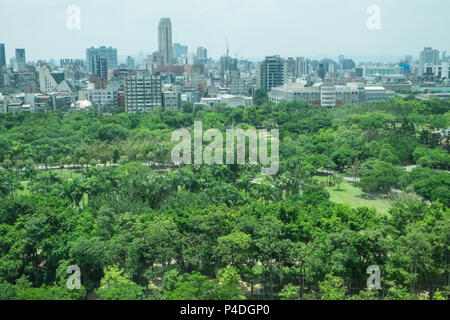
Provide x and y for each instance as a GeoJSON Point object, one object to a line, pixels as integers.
{"type": "Point", "coordinates": [192, 286]}
{"type": "Point", "coordinates": [116, 286]}
{"type": "Point", "coordinates": [332, 288]}
{"type": "Point", "coordinates": [379, 176]}
{"type": "Point", "coordinates": [260, 97]}
{"type": "Point", "coordinates": [228, 288]}
{"type": "Point", "coordinates": [88, 254]}
{"type": "Point", "coordinates": [233, 249]}
{"type": "Point", "coordinates": [338, 179]}
{"type": "Point", "coordinates": [289, 292]}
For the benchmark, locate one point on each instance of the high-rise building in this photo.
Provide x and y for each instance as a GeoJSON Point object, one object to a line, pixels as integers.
{"type": "Point", "coordinates": [110, 54]}
{"type": "Point", "coordinates": [202, 53]}
{"type": "Point", "coordinates": [92, 54]}
{"type": "Point", "coordinates": [238, 86]}
{"type": "Point", "coordinates": [408, 58]}
{"type": "Point", "coordinates": [302, 67]}
{"type": "Point", "coordinates": [2, 55]}
{"type": "Point", "coordinates": [179, 50]}
{"type": "Point", "coordinates": [130, 63]}
{"type": "Point", "coordinates": [65, 62]}
{"type": "Point", "coordinates": [20, 59]}
{"type": "Point", "coordinates": [270, 73]}
{"type": "Point", "coordinates": [321, 71]}
{"type": "Point", "coordinates": [165, 40]}
{"type": "Point", "coordinates": [143, 92]}
{"type": "Point", "coordinates": [289, 71]}
{"type": "Point", "coordinates": [227, 64]}
{"type": "Point", "coordinates": [347, 64]}
{"type": "Point", "coordinates": [101, 67]}
{"type": "Point", "coordinates": [428, 58]}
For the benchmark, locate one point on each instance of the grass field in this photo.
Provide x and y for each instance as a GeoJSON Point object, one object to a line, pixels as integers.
{"type": "Point", "coordinates": [354, 198]}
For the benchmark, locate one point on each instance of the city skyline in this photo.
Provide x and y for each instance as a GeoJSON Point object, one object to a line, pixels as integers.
{"type": "Point", "coordinates": [248, 35]}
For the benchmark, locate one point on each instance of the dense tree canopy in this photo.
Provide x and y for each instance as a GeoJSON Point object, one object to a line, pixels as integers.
{"type": "Point", "coordinates": [141, 231]}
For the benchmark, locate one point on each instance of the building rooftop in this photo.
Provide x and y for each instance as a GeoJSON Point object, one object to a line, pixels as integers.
{"type": "Point", "coordinates": [374, 88]}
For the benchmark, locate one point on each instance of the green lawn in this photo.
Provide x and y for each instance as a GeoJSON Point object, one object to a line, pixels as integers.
{"type": "Point", "coordinates": [354, 198]}
{"type": "Point", "coordinates": [65, 173]}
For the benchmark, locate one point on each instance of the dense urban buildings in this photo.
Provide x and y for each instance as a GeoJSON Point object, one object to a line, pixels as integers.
{"type": "Point", "coordinates": [93, 55]}
{"type": "Point", "coordinates": [172, 76]}
{"type": "Point", "coordinates": [179, 51]}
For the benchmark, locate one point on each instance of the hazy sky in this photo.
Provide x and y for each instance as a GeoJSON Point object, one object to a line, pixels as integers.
{"type": "Point", "coordinates": [254, 28]}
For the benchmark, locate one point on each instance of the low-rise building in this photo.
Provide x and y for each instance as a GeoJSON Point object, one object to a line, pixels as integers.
{"type": "Point", "coordinates": [103, 97]}
{"type": "Point", "coordinates": [377, 93]}
{"type": "Point", "coordinates": [328, 95]}
{"type": "Point", "coordinates": [171, 100]}
{"type": "Point", "coordinates": [228, 99]}
{"type": "Point", "coordinates": [439, 96]}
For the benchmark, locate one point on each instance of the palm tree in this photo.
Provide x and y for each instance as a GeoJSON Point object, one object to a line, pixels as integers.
{"type": "Point", "coordinates": [82, 162]}
{"type": "Point", "coordinates": [30, 171]}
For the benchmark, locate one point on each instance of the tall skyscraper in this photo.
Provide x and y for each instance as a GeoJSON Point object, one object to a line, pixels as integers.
{"type": "Point", "coordinates": [165, 40]}
{"type": "Point", "coordinates": [428, 57]}
{"type": "Point", "coordinates": [2, 55]}
{"type": "Point", "coordinates": [20, 59]}
{"type": "Point", "coordinates": [92, 55]}
{"type": "Point", "coordinates": [270, 73]}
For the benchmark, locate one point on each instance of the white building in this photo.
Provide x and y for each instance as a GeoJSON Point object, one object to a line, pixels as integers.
{"type": "Point", "coordinates": [427, 57]}
{"type": "Point", "coordinates": [228, 99]}
{"type": "Point", "coordinates": [104, 97]}
{"type": "Point", "coordinates": [53, 82]}
{"type": "Point", "coordinates": [378, 93]}
{"type": "Point", "coordinates": [328, 95]}
{"type": "Point", "coordinates": [47, 82]}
